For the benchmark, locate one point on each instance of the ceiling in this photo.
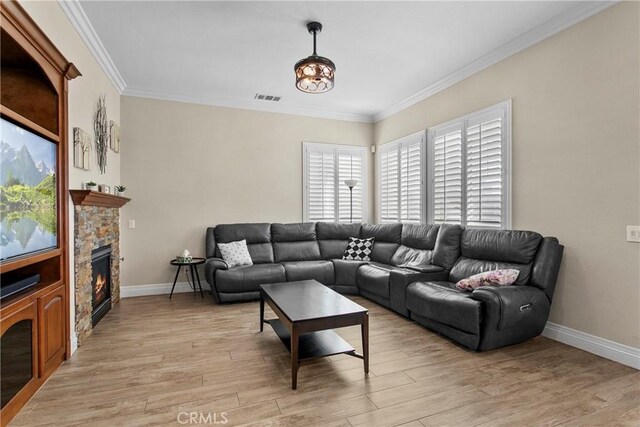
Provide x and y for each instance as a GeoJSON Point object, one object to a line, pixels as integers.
{"type": "Point", "coordinates": [387, 54]}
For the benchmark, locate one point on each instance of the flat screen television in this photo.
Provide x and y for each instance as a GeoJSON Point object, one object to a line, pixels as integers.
{"type": "Point", "coordinates": [28, 196]}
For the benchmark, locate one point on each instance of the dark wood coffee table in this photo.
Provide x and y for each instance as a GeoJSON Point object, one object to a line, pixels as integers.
{"type": "Point", "coordinates": [307, 311]}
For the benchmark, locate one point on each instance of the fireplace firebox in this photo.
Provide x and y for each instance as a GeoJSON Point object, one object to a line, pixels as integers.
{"type": "Point", "coordinates": [100, 283]}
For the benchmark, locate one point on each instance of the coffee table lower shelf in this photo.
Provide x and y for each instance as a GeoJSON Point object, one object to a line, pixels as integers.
{"type": "Point", "coordinates": [314, 344]}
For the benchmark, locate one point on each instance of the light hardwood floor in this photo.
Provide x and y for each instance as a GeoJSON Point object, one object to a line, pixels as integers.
{"type": "Point", "coordinates": [151, 359]}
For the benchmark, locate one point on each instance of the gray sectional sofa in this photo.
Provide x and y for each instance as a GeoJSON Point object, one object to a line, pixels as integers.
{"type": "Point", "coordinates": [413, 271]}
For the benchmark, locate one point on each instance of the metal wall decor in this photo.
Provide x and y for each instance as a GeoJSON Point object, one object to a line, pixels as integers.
{"type": "Point", "coordinates": [315, 74]}
{"type": "Point", "coordinates": [101, 129]}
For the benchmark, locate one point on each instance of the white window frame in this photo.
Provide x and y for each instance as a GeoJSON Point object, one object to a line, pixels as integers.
{"type": "Point", "coordinates": [506, 164]}
{"type": "Point", "coordinates": [336, 148]}
{"type": "Point", "coordinates": [395, 145]}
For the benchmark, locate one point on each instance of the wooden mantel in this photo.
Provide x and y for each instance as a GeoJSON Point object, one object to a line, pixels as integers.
{"type": "Point", "coordinates": [96, 198]}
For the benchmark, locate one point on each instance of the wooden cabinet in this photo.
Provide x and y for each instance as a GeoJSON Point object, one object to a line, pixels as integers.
{"type": "Point", "coordinates": [36, 326]}
{"type": "Point", "coordinates": [19, 348]}
{"type": "Point", "coordinates": [51, 336]}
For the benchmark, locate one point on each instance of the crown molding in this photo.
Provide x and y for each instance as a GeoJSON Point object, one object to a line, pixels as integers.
{"type": "Point", "coordinates": [81, 23]}
{"type": "Point", "coordinates": [541, 32]}
{"type": "Point", "coordinates": [252, 104]}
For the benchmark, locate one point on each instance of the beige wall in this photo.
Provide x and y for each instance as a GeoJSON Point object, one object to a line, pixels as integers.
{"type": "Point", "coordinates": [576, 152]}
{"type": "Point", "coordinates": [83, 95]}
{"type": "Point", "coordinates": [190, 166]}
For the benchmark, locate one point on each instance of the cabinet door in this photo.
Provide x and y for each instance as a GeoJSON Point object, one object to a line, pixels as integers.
{"type": "Point", "coordinates": [51, 323]}
{"type": "Point", "coordinates": [19, 348]}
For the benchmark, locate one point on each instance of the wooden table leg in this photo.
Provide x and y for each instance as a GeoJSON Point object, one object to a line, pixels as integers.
{"type": "Point", "coordinates": [294, 358]}
{"type": "Point", "coordinates": [261, 312]}
{"type": "Point", "coordinates": [195, 268]}
{"type": "Point", "coordinates": [174, 281]}
{"type": "Point", "coordinates": [365, 342]}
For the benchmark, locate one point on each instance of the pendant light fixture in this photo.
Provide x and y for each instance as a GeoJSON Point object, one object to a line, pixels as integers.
{"type": "Point", "coordinates": [315, 74]}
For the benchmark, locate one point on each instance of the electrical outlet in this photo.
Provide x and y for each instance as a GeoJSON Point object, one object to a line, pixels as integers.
{"type": "Point", "coordinates": [633, 233]}
{"type": "Point", "coordinates": [132, 223]}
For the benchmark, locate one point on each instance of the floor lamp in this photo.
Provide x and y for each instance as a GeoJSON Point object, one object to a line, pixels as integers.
{"type": "Point", "coordinates": [351, 183]}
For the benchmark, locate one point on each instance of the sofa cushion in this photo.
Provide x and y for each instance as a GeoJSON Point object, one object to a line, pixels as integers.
{"type": "Point", "coordinates": [235, 253]}
{"type": "Point", "coordinates": [512, 246]}
{"type": "Point", "coordinates": [247, 278]}
{"type": "Point", "coordinates": [333, 238]}
{"type": "Point", "coordinates": [258, 237]}
{"type": "Point", "coordinates": [388, 237]}
{"type": "Point", "coordinates": [406, 256]}
{"type": "Point", "coordinates": [443, 303]}
{"type": "Point", "coordinates": [358, 249]}
{"type": "Point", "coordinates": [296, 251]}
{"type": "Point", "coordinates": [252, 233]}
{"type": "Point", "coordinates": [331, 249]}
{"type": "Point", "coordinates": [488, 278]}
{"type": "Point", "coordinates": [467, 267]}
{"type": "Point", "coordinates": [337, 231]}
{"type": "Point", "coordinates": [345, 271]}
{"type": "Point", "coordinates": [447, 249]}
{"type": "Point", "coordinates": [322, 271]}
{"type": "Point", "coordinates": [419, 236]}
{"type": "Point", "coordinates": [295, 232]}
{"type": "Point", "coordinates": [391, 233]}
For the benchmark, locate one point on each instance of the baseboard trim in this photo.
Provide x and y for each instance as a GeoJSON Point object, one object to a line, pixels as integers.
{"type": "Point", "coordinates": [156, 289]}
{"type": "Point", "coordinates": [611, 350]}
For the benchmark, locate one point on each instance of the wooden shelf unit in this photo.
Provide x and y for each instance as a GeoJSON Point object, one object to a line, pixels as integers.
{"type": "Point", "coordinates": [34, 79]}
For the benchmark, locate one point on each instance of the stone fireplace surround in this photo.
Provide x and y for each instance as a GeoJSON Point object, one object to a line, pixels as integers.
{"type": "Point", "coordinates": [96, 224]}
{"type": "Point", "coordinates": [94, 227]}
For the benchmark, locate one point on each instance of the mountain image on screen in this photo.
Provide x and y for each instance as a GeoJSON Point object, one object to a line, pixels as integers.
{"type": "Point", "coordinates": [27, 192]}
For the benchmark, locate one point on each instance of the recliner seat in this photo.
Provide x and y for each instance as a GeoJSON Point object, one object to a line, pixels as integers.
{"type": "Point", "coordinates": [491, 316]}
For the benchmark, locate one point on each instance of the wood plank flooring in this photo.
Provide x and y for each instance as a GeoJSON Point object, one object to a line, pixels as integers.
{"type": "Point", "coordinates": [151, 359]}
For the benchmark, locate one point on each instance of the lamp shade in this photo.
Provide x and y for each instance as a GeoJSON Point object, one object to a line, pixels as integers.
{"type": "Point", "coordinates": [351, 182]}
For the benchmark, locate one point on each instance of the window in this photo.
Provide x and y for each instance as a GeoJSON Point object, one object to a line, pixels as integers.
{"type": "Point", "coordinates": [400, 180]}
{"type": "Point", "coordinates": [326, 196]}
{"type": "Point", "coordinates": [471, 167]}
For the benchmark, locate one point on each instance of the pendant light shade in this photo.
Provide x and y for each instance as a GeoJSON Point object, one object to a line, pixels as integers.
{"type": "Point", "coordinates": [315, 74]}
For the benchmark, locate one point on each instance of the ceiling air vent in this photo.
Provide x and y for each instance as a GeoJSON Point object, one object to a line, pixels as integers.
{"type": "Point", "coordinates": [267, 97]}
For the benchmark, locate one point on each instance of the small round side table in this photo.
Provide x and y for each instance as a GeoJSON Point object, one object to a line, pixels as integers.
{"type": "Point", "coordinates": [192, 265]}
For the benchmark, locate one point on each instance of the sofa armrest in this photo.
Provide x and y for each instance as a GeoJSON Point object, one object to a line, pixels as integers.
{"type": "Point", "coordinates": [216, 263]}
{"type": "Point", "coordinates": [511, 314]}
{"type": "Point", "coordinates": [210, 267]}
{"type": "Point", "coordinates": [400, 278]}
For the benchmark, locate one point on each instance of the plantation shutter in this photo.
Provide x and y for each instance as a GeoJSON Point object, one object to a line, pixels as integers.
{"type": "Point", "coordinates": [320, 169]}
{"type": "Point", "coordinates": [389, 184]}
{"type": "Point", "coordinates": [484, 181]}
{"type": "Point", "coordinates": [411, 182]}
{"type": "Point", "coordinates": [325, 195]}
{"type": "Point", "coordinates": [447, 175]}
{"type": "Point", "coordinates": [401, 178]}
{"type": "Point", "coordinates": [350, 166]}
